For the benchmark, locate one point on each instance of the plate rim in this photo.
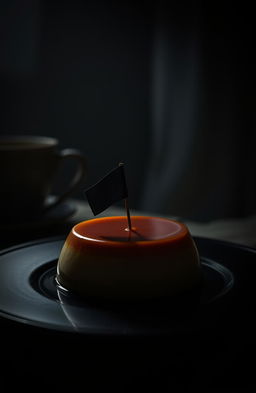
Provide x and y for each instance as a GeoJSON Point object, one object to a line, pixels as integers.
{"type": "Point", "coordinates": [60, 238]}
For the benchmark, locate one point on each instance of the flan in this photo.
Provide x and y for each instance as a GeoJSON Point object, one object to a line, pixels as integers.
{"type": "Point", "coordinates": [102, 258]}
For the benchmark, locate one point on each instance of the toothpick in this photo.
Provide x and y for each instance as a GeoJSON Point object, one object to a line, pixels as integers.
{"type": "Point", "coordinates": [127, 207]}
{"type": "Point", "coordinates": [128, 214]}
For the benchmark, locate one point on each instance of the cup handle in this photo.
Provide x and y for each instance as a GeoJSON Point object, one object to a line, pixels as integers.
{"type": "Point", "coordinates": [77, 178]}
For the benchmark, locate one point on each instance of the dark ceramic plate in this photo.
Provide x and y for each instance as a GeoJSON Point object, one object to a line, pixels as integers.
{"type": "Point", "coordinates": [211, 333]}
{"type": "Point", "coordinates": [29, 294]}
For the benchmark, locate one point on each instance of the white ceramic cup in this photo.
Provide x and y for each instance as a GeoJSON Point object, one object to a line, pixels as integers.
{"type": "Point", "coordinates": [28, 165]}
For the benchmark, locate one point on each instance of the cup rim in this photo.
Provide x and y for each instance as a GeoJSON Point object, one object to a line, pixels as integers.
{"type": "Point", "coordinates": [34, 142]}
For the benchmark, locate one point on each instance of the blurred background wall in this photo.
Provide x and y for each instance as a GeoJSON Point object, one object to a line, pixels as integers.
{"type": "Point", "coordinates": [166, 87]}
{"type": "Point", "coordinates": [79, 71]}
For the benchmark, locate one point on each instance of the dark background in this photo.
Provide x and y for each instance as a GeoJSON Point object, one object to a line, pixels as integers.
{"type": "Point", "coordinates": [81, 71]}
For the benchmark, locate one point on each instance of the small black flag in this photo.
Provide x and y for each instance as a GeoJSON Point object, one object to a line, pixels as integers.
{"type": "Point", "coordinates": [112, 188]}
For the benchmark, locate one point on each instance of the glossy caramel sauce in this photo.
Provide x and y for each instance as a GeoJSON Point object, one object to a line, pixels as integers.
{"type": "Point", "coordinates": [143, 229]}
{"type": "Point", "coordinates": [150, 233]}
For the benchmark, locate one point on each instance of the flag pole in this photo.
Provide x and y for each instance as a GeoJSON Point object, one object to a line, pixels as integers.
{"type": "Point", "coordinates": [127, 206]}
{"type": "Point", "coordinates": [128, 214]}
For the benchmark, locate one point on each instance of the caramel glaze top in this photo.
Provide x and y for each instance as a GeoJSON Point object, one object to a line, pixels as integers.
{"type": "Point", "coordinates": [110, 236]}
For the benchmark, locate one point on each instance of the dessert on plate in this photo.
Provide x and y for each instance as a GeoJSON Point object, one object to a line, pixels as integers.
{"type": "Point", "coordinates": [103, 258]}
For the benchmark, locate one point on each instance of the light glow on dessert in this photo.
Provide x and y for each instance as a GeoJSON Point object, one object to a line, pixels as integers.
{"type": "Point", "coordinates": [101, 258]}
